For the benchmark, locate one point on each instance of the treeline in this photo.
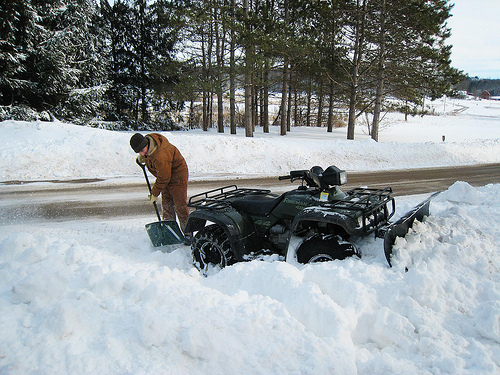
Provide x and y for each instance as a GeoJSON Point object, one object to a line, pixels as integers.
{"type": "Point", "coordinates": [475, 86]}
{"type": "Point", "coordinates": [137, 63]}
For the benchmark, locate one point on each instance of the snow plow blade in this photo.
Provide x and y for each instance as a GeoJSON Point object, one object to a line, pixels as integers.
{"type": "Point", "coordinates": [401, 227]}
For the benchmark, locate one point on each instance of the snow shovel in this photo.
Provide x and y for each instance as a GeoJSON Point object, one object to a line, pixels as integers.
{"type": "Point", "coordinates": [166, 232]}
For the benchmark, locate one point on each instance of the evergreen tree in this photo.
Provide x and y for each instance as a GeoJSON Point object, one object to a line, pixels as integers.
{"type": "Point", "coordinates": [49, 50]}
{"type": "Point", "coordinates": [396, 49]}
{"type": "Point", "coordinates": [142, 37]}
{"type": "Point", "coordinates": [86, 57]}
{"type": "Point", "coordinates": [413, 60]}
{"type": "Point", "coordinates": [17, 43]}
{"type": "Point", "coordinates": [122, 60]}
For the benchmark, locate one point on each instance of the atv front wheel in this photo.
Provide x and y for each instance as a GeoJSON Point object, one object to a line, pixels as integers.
{"type": "Point", "coordinates": [324, 249]}
{"type": "Point", "coordinates": [211, 249]}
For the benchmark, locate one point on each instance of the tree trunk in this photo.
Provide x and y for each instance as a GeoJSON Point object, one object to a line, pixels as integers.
{"type": "Point", "coordinates": [144, 106]}
{"type": "Point", "coordinates": [265, 99]}
{"type": "Point", "coordinates": [232, 68]}
{"type": "Point", "coordinates": [255, 103]}
{"type": "Point", "coordinates": [248, 83]}
{"type": "Point", "coordinates": [191, 115]}
{"type": "Point", "coordinates": [210, 109]}
{"type": "Point", "coordinates": [284, 88]}
{"type": "Point", "coordinates": [295, 105]}
{"type": "Point", "coordinates": [219, 43]}
{"type": "Point", "coordinates": [330, 109]}
{"type": "Point", "coordinates": [358, 47]}
{"type": "Point", "coordinates": [284, 101]}
{"type": "Point", "coordinates": [289, 109]}
{"type": "Point", "coordinates": [204, 121]}
{"type": "Point", "coordinates": [351, 124]}
{"type": "Point", "coordinates": [319, 118]}
{"type": "Point", "coordinates": [204, 117]}
{"type": "Point", "coordinates": [380, 76]}
{"type": "Point", "coordinates": [309, 95]}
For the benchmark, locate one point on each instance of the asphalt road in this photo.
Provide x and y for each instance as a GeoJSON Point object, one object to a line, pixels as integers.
{"type": "Point", "coordinates": [90, 199]}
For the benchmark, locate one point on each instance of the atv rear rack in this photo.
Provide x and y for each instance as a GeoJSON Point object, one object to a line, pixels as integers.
{"type": "Point", "coordinates": [220, 198]}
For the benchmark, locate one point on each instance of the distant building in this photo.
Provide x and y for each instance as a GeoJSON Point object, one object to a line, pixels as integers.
{"type": "Point", "coordinates": [485, 95]}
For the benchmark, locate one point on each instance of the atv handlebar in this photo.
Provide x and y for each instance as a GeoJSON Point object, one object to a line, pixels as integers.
{"type": "Point", "coordinates": [317, 177]}
{"type": "Point", "coordinates": [294, 175]}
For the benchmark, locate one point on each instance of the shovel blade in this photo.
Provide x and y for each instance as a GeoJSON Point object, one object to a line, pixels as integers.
{"type": "Point", "coordinates": [164, 233]}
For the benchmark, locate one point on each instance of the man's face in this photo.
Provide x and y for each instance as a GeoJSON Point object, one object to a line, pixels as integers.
{"type": "Point", "coordinates": [144, 151]}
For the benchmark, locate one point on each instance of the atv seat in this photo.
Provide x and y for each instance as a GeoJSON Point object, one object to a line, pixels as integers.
{"type": "Point", "coordinates": [259, 205]}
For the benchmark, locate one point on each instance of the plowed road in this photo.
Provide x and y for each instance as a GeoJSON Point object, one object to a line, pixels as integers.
{"type": "Point", "coordinates": [87, 199]}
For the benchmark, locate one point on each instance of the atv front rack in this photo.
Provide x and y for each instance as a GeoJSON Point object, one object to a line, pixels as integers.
{"type": "Point", "coordinates": [360, 199]}
{"type": "Point", "coordinates": [222, 197]}
{"type": "Point", "coordinates": [376, 206]}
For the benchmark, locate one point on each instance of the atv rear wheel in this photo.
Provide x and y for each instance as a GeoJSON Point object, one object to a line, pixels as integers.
{"type": "Point", "coordinates": [211, 249]}
{"type": "Point", "coordinates": [325, 248]}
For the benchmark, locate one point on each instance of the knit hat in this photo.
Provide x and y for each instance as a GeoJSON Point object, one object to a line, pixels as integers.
{"type": "Point", "coordinates": [138, 142]}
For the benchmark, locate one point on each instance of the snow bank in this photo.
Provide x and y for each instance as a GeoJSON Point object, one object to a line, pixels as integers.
{"type": "Point", "coordinates": [96, 298]}
{"type": "Point", "coordinates": [47, 151]}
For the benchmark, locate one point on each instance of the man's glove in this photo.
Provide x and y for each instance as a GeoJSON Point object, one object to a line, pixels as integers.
{"type": "Point", "coordinates": [140, 159]}
{"type": "Point", "coordinates": [152, 198]}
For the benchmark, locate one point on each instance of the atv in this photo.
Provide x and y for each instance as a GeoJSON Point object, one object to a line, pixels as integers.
{"type": "Point", "coordinates": [315, 222]}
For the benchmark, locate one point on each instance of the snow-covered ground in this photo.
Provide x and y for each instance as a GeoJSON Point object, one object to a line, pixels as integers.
{"type": "Point", "coordinates": [94, 296]}
{"type": "Point", "coordinates": [34, 151]}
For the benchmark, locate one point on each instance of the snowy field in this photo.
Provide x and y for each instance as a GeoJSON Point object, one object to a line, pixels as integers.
{"type": "Point", "coordinates": [94, 297]}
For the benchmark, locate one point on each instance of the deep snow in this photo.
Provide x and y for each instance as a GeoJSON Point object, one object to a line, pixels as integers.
{"type": "Point", "coordinates": [94, 297]}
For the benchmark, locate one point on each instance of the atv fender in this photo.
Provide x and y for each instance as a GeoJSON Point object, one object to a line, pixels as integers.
{"type": "Point", "coordinates": [345, 223]}
{"type": "Point", "coordinates": [401, 227]}
{"type": "Point", "coordinates": [238, 228]}
{"type": "Point", "coordinates": [344, 226]}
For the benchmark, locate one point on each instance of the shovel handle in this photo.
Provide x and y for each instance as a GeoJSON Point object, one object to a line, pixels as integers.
{"type": "Point", "coordinates": [143, 166]}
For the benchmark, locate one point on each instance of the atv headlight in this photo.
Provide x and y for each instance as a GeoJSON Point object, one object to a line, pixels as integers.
{"type": "Point", "coordinates": [361, 223]}
{"type": "Point", "coordinates": [343, 178]}
{"type": "Point", "coordinates": [334, 176]}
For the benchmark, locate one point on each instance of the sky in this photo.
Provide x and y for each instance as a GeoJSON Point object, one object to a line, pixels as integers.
{"type": "Point", "coordinates": [476, 37]}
